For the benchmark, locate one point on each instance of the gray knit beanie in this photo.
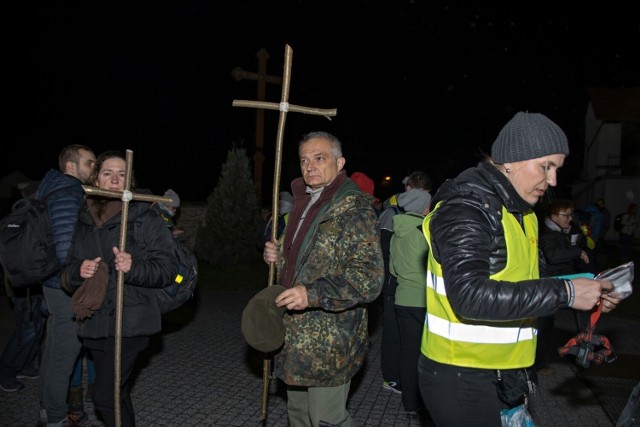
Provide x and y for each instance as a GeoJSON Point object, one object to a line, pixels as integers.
{"type": "Point", "coordinates": [174, 196]}
{"type": "Point", "coordinates": [528, 136]}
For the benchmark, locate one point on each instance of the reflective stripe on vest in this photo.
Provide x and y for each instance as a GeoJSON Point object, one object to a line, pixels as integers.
{"type": "Point", "coordinates": [453, 340]}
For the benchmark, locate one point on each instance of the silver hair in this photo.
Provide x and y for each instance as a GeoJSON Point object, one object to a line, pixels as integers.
{"type": "Point", "coordinates": [334, 143]}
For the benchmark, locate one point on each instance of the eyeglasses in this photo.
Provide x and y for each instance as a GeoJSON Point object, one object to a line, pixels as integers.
{"type": "Point", "coordinates": [565, 214]}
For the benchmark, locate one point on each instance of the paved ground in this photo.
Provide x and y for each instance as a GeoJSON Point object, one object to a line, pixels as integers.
{"type": "Point", "coordinates": [200, 372]}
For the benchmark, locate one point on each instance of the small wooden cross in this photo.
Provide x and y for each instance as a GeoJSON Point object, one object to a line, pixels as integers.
{"type": "Point", "coordinates": [284, 107]}
{"type": "Point", "coordinates": [126, 196]}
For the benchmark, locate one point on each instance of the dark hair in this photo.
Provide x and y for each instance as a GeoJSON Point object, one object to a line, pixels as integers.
{"type": "Point", "coordinates": [111, 154]}
{"type": "Point", "coordinates": [560, 205]}
{"type": "Point", "coordinates": [71, 153]}
{"type": "Point", "coordinates": [419, 179]}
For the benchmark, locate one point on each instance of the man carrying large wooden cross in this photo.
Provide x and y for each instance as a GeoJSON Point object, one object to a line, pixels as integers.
{"type": "Point", "coordinates": [331, 266]}
{"type": "Point", "coordinates": [115, 277]}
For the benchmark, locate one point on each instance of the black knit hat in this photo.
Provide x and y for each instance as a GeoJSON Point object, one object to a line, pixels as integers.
{"type": "Point", "coordinates": [528, 136]}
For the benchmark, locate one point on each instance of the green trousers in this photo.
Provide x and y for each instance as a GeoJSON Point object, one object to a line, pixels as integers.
{"type": "Point", "coordinates": [307, 406]}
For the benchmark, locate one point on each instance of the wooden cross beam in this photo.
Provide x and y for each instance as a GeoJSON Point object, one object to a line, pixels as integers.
{"type": "Point", "coordinates": [126, 196]}
{"type": "Point", "coordinates": [284, 107]}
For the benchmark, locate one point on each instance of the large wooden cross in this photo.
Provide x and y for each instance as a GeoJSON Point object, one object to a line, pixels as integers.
{"type": "Point", "coordinates": [260, 105]}
{"type": "Point", "coordinates": [126, 196]}
{"type": "Point", "coordinates": [283, 107]}
{"type": "Point", "coordinates": [262, 78]}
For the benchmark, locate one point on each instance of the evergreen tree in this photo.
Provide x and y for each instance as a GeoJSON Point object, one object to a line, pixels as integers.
{"type": "Point", "coordinates": [229, 230]}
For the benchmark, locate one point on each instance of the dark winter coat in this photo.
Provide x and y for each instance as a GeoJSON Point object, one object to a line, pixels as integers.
{"type": "Point", "coordinates": [560, 256]}
{"type": "Point", "coordinates": [66, 198]}
{"type": "Point", "coordinates": [154, 265]}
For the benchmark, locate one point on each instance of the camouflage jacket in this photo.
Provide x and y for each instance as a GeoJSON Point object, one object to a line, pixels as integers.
{"type": "Point", "coordinates": [340, 264]}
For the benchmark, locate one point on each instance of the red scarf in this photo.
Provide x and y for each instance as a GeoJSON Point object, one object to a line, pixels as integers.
{"type": "Point", "coordinates": [291, 248]}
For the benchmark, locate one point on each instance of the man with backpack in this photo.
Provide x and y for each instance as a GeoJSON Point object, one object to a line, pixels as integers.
{"type": "Point", "coordinates": [64, 193]}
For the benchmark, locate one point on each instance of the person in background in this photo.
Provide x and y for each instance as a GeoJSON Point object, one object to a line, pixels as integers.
{"type": "Point", "coordinates": [597, 226]}
{"type": "Point", "coordinates": [330, 264]}
{"type": "Point", "coordinates": [390, 348]}
{"type": "Point", "coordinates": [484, 293]}
{"type": "Point", "coordinates": [562, 247]}
{"type": "Point", "coordinates": [392, 201]}
{"type": "Point", "coordinates": [22, 353]}
{"type": "Point", "coordinates": [19, 358]}
{"type": "Point", "coordinates": [285, 203]}
{"type": "Point", "coordinates": [408, 264]}
{"type": "Point", "coordinates": [629, 223]}
{"type": "Point", "coordinates": [76, 166]}
{"type": "Point", "coordinates": [367, 185]}
{"type": "Point", "coordinates": [95, 261]}
{"type": "Point", "coordinates": [168, 211]}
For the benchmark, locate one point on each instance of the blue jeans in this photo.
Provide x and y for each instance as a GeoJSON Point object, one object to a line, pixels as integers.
{"type": "Point", "coordinates": [76, 378]}
{"type": "Point", "coordinates": [21, 349]}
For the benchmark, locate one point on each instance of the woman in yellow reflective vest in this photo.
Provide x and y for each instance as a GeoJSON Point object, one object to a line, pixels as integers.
{"type": "Point", "coordinates": [484, 293]}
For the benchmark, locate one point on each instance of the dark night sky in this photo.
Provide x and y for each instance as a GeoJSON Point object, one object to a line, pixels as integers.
{"type": "Point", "coordinates": [417, 85]}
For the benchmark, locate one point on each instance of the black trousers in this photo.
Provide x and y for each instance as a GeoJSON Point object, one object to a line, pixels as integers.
{"type": "Point", "coordinates": [103, 351]}
{"type": "Point", "coordinates": [411, 321]}
{"type": "Point", "coordinates": [390, 345]}
{"type": "Point", "coordinates": [457, 396]}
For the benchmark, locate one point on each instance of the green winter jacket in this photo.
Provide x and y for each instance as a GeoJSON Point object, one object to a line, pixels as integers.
{"type": "Point", "coordinates": [340, 264]}
{"type": "Point", "coordinates": [408, 260]}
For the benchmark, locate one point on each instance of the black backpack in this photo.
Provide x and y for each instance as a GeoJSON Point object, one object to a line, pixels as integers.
{"type": "Point", "coordinates": [183, 287]}
{"type": "Point", "coordinates": [27, 247]}
{"type": "Point", "coordinates": [617, 222]}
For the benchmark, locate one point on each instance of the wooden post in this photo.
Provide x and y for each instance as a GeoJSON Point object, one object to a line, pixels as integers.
{"type": "Point", "coordinates": [262, 78]}
{"type": "Point", "coordinates": [283, 107]}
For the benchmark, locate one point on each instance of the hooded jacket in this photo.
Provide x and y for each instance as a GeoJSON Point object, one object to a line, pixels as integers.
{"type": "Point", "coordinates": [408, 259]}
{"type": "Point", "coordinates": [338, 259]}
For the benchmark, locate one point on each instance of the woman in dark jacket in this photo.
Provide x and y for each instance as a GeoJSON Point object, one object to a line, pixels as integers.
{"type": "Point", "coordinates": [92, 271]}
{"type": "Point", "coordinates": [483, 288]}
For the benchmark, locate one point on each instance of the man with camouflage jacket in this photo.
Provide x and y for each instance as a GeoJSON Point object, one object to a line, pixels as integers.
{"type": "Point", "coordinates": [331, 265]}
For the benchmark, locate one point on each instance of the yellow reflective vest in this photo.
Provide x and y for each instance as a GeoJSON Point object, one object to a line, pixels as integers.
{"type": "Point", "coordinates": [450, 339]}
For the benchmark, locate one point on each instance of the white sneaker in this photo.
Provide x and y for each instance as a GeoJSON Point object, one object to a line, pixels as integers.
{"type": "Point", "coordinates": [392, 386]}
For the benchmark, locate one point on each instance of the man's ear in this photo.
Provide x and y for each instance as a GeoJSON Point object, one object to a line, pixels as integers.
{"type": "Point", "coordinates": [70, 168]}
{"type": "Point", "coordinates": [341, 162]}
